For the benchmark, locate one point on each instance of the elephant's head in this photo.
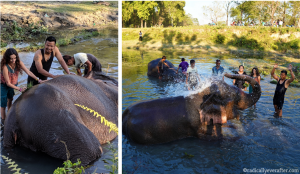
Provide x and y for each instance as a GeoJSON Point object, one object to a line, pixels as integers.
{"type": "Point", "coordinates": [220, 102]}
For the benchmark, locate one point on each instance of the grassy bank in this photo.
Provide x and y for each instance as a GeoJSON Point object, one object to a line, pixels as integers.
{"type": "Point", "coordinates": [60, 42]}
{"type": "Point", "coordinates": [257, 39]}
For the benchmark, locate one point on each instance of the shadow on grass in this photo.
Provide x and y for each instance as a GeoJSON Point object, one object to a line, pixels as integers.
{"type": "Point", "coordinates": [244, 42]}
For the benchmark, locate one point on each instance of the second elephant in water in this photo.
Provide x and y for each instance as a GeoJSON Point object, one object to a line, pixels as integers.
{"type": "Point", "coordinates": [198, 115]}
{"type": "Point", "coordinates": [168, 74]}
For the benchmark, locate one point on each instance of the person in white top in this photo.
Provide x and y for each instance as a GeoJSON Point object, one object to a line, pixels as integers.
{"type": "Point", "coordinates": [141, 36]}
{"type": "Point", "coordinates": [192, 76]}
{"type": "Point", "coordinates": [280, 23]}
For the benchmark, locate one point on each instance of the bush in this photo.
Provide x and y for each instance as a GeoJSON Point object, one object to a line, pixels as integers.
{"type": "Point", "coordinates": [220, 39]}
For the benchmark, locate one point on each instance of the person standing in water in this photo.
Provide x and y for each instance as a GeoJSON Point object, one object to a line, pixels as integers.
{"type": "Point", "coordinates": [239, 82]}
{"type": "Point", "coordinates": [42, 61]}
{"type": "Point", "coordinates": [141, 36]}
{"type": "Point", "coordinates": [184, 65]}
{"type": "Point", "coordinates": [11, 66]}
{"type": "Point", "coordinates": [218, 69]}
{"type": "Point", "coordinates": [281, 87]}
{"type": "Point", "coordinates": [192, 76]}
{"type": "Point", "coordinates": [90, 62]}
{"type": "Point", "coordinates": [254, 74]}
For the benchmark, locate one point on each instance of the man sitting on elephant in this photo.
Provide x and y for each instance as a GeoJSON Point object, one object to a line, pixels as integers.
{"type": "Point", "coordinates": [161, 66]}
{"type": "Point", "coordinates": [42, 61]}
{"type": "Point", "coordinates": [90, 62]}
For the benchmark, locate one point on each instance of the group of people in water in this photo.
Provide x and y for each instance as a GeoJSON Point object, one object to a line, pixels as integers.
{"type": "Point", "coordinates": [12, 66]}
{"type": "Point", "coordinates": [193, 78]}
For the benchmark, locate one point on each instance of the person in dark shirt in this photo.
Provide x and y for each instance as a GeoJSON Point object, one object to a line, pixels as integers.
{"type": "Point", "coordinates": [238, 82]}
{"type": "Point", "coordinates": [90, 62]}
{"type": "Point", "coordinates": [42, 61]}
{"type": "Point", "coordinates": [161, 66]}
{"type": "Point", "coordinates": [281, 88]}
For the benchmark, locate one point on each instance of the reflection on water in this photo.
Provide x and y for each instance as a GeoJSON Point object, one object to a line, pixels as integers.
{"type": "Point", "coordinates": [259, 140]}
{"type": "Point", "coordinates": [103, 48]}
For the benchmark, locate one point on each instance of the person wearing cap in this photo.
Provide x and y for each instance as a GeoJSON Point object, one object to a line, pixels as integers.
{"type": "Point", "coordinates": [218, 69]}
{"type": "Point", "coordinates": [89, 61]}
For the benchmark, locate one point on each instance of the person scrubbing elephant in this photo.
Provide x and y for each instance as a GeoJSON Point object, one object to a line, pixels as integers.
{"type": "Point", "coordinates": [90, 62]}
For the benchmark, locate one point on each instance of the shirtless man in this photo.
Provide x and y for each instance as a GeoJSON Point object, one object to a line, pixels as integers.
{"type": "Point", "coordinates": [42, 61]}
{"type": "Point", "coordinates": [281, 87]}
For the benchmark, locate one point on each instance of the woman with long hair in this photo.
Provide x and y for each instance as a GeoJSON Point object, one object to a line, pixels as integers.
{"type": "Point", "coordinates": [11, 66]}
{"type": "Point", "coordinates": [256, 75]}
{"type": "Point", "coordinates": [239, 82]}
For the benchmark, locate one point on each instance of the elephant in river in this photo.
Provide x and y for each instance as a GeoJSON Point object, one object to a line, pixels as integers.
{"type": "Point", "coordinates": [198, 115]}
{"type": "Point", "coordinates": [168, 74]}
{"type": "Point", "coordinates": [56, 118]}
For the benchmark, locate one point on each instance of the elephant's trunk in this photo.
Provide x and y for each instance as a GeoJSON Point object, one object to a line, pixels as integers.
{"type": "Point", "coordinates": [245, 100]}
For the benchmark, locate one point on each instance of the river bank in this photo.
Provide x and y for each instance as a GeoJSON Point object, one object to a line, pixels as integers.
{"type": "Point", "coordinates": [254, 41]}
{"type": "Point", "coordinates": [25, 21]}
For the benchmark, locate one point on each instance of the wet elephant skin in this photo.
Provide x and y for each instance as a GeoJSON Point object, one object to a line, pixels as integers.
{"type": "Point", "coordinates": [45, 118]}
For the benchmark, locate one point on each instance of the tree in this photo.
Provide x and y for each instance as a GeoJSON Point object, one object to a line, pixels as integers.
{"type": "Point", "coordinates": [296, 11]}
{"type": "Point", "coordinates": [272, 7]}
{"type": "Point", "coordinates": [227, 8]}
{"type": "Point", "coordinates": [175, 10]}
{"type": "Point", "coordinates": [127, 11]}
{"type": "Point", "coordinates": [144, 8]}
{"type": "Point", "coordinates": [214, 12]}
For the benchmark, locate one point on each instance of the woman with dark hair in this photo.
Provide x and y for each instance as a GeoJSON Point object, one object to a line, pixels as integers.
{"type": "Point", "coordinates": [11, 66]}
{"type": "Point", "coordinates": [254, 74]}
{"type": "Point", "coordinates": [238, 82]}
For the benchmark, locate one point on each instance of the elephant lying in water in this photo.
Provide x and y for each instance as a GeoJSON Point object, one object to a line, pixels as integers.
{"type": "Point", "coordinates": [168, 74]}
{"type": "Point", "coordinates": [198, 115]}
{"type": "Point", "coordinates": [51, 117]}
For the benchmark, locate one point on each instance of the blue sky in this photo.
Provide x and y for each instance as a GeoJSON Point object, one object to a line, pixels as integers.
{"type": "Point", "coordinates": [195, 9]}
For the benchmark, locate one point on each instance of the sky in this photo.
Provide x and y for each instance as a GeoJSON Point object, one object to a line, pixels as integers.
{"type": "Point", "coordinates": [195, 9]}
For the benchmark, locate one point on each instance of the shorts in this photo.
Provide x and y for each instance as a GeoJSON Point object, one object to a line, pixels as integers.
{"type": "Point", "coordinates": [278, 103]}
{"type": "Point", "coordinates": [193, 85]}
{"type": "Point", "coordinates": [6, 92]}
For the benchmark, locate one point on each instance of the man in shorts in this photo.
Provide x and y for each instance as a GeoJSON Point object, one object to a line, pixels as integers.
{"type": "Point", "coordinates": [192, 76]}
{"type": "Point", "coordinates": [281, 87]}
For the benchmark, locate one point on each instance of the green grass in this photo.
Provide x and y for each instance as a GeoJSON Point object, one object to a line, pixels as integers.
{"type": "Point", "coordinates": [76, 9]}
{"type": "Point", "coordinates": [253, 38]}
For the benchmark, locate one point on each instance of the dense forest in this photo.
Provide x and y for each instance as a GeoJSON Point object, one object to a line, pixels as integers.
{"type": "Point", "coordinates": [140, 14]}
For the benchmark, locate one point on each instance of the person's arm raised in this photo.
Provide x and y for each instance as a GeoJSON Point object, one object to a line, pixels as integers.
{"type": "Point", "coordinates": [273, 72]}
{"type": "Point", "coordinates": [292, 76]}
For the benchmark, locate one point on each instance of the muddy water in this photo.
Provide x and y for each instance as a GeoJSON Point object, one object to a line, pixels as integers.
{"type": "Point", "coordinates": [107, 53]}
{"type": "Point", "coordinates": [260, 140]}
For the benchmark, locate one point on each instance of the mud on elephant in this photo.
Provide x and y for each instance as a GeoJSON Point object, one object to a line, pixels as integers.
{"type": "Point", "coordinates": [199, 115]}
{"type": "Point", "coordinates": [168, 74]}
{"type": "Point", "coordinates": [54, 114]}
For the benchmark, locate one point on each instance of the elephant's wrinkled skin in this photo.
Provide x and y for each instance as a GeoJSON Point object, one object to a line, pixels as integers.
{"type": "Point", "coordinates": [45, 116]}
{"type": "Point", "coordinates": [168, 74]}
{"type": "Point", "coordinates": [199, 115]}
